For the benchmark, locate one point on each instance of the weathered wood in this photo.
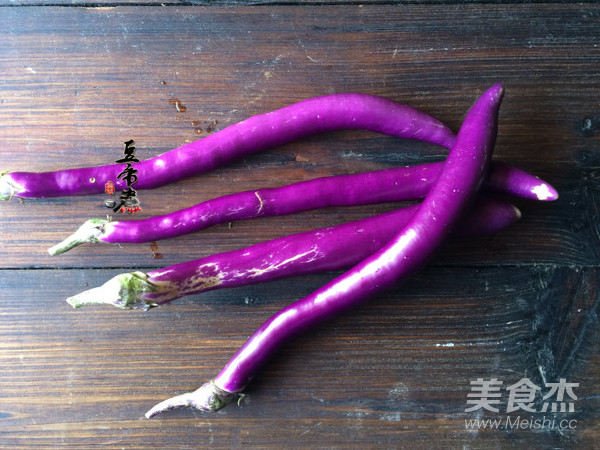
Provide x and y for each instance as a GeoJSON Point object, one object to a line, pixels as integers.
{"type": "Point", "coordinates": [392, 372]}
{"type": "Point", "coordinates": [75, 83]}
{"type": "Point", "coordinates": [172, 3]}
{"type": "Point", "coordinates": [72, 98]}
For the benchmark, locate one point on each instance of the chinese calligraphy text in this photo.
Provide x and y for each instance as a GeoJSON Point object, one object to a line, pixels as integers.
{"type": "Point", "coordinates": [128, 201]}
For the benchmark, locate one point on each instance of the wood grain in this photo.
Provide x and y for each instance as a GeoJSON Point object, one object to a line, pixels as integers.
{"type": "Point", "coordinates": [73, 99]}
{"type": "Point", "coordinates": [388, 373]}
{"type": "Point", "coordinates": [171, 3]}
{"type": "Point", "coordinates": [75, 83]}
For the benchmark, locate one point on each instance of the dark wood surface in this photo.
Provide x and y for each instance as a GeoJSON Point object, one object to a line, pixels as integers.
{"type": "Point", "coordinates": [75, 83]}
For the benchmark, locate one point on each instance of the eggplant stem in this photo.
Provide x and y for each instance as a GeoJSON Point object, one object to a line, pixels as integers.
{"type": "Point", "coordinates": [209, 397]}
{"type": "Point", "coordinates": [123, 291]}
{"type": "Point", "coordinates": [180, 401]}
{"type": "Point", "coordinates": [7, 189]}
{"type": "Point", "coordinates": [90, 231]}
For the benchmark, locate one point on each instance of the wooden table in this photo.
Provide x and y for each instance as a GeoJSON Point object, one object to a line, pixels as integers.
{"type": "Point", "coordinates": [78, 79]}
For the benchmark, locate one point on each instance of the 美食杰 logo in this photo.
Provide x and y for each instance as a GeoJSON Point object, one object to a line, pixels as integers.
{"type": "Point", "coordinates": [527, 405]}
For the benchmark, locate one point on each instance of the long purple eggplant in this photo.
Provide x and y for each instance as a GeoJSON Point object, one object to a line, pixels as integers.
{"type": "Point", "coordinates": [333, 248]}
{"type": "Point", "coordinates": [305, 118]}
{"type": "Point", "coordinates": [391, 185]}
{"type": "Point", "coordinates": [409, 250]}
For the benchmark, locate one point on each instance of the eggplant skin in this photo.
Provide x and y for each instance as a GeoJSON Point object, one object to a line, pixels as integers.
{"type": "Point", "coordinates": [390, 185]}
{"type": "Point", "coordinates": [305, 118]}
{"type": "Point", "coordinates": [451, 195]}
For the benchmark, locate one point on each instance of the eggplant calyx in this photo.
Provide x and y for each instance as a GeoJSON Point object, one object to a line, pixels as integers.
{"type": "Point", "coordinates": [90, 231]}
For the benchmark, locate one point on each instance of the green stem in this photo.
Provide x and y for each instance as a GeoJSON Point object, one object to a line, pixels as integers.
{"type": "Point", "coordinates": [7, 190]}
{"type": "Point", "coordinates": [209, 397]}
{"type": "Point", "coordinates": [90, 231]}
{"type": "Point", "coordinates": [123, 291]}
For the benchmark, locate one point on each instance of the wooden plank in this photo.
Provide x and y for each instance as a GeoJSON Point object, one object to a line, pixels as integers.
{"type": "Point", "coordinates": [76, 83]}
{"type": "Point", "coordinates": [176, 3]}
{"type": "Point", "coordinates": [393, 373]}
